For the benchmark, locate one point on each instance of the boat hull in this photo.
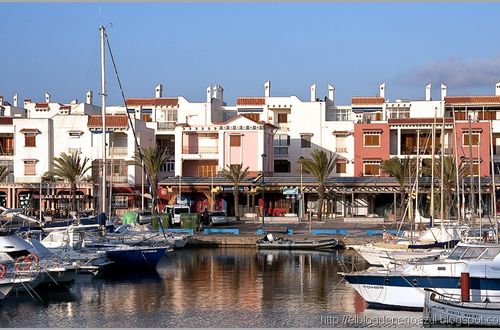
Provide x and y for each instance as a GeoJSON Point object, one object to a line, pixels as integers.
{"type": "Point", "coordinates": [396, 292]}
{"type": "Point", "coordinates": [439, 309]}
{"type": "Point", "coordinates": [136, 259]}
{"type": "Point", "coordinates": [297, 245]}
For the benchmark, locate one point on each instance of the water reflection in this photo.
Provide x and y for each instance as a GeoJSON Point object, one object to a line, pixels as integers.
{"type": "Point", "coordinates": [205, 288]}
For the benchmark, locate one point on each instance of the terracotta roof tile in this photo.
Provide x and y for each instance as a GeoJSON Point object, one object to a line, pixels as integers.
{"type": "Point", "coordinates": [119, 121]}
{"type": "Point", "coordinates": [172, 102]}
{"type": "Point", "coordinates": [367, 100]}
{"type": "Point", "coordinates": [396, 121]}
{"type": "Point", "coordinates": [6, 120]}
{"type": "Point", "coordinates": [472, 99]}
{"type": "Point", "coordinates": [41, 105]}
{"type": "Point", "coordinates": [250, 101]}
{"type": "Point", "coordinates": [65, 107]}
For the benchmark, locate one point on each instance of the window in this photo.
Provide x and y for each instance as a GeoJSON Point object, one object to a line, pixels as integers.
{"type": "Point", "coordinates": [281, 143]}
{"type": "Point", "coordinates": [474, 138]}
{"type": "Point", "coordinates": [475, 167]}
{"type": "Point", "coordinates": [30, 167]}
{"type": "Point", "coordinates": [252, 116]}
{"type": "Point", "coordinates": [282, 118]}
{"type": "Point", "coordinates": [371, 139]}
{"type": "Point", "coordinates": [341, 143]}
{"type": "Point", "coordinates": [282, 166]}
{"type": "Point", "coordinates": [235, 140]}
{"type": "Point", "coordinates": [172, 115]}
{"type": "Point", "coordinates": [341, 167]}
{"type": "Point", "coordinates": [146, 117]}
{"type": "Point", "coordinates": [168, 166]}
{"type": "Point", "coordinates": [207, 170]}
{"type": "Point", "coordinates": [371, 168]}
{"type": "Point", "coordinates": [305, 140]}
{"type": "Point", "coordinates": [30, 140]}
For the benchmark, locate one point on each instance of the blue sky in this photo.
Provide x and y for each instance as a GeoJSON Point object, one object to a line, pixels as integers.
{"type": "Point", "coordinates": [55, 48]}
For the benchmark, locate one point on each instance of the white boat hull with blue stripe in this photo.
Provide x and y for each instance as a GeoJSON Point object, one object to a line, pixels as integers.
{"type": "Point", "coordinates": [404, 286]}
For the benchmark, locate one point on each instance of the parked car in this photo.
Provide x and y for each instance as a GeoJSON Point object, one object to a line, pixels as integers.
{"type": "Point", "coordinates": [217, 218]}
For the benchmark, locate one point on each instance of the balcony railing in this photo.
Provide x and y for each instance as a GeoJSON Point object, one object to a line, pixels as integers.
{"type": "Point", "coordinates": [118, 151]}
{"type": "Point", "coordinates": [118, 178]}
{"type": "Point", "coordinates": [200, 150]}
{"type": "Point", "coordinates": [341, 149]}
{"type": "Point", "coordinates": [167, 125]}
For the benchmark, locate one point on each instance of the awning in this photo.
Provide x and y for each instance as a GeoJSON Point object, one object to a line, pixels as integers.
{"type": "Point", "coordinates": [122, 191]}
{"type": "Point", "coordinates": [30, 131]}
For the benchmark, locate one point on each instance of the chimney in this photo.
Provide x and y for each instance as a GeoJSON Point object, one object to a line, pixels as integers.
{"type": "Point", "coordinates": [428, 93]}
{"type": "Point", "coordinates": [15, 100]}
{"type": "Point", "coordinates": [218, 91]}
{"type": "Point", "coordinates": [331, 93]}
{"type": "Point", "coordinates": [443, 91]}
{"type": "Point", "coordinates": [47, 97]}
{"type": "Point", "coordinates": [497, 89]}
{"type": "Point", "coordinates": [158, 91]}
{"type": "Point", "coordinates": [209, 94]}
{"type": "Point", "coordinates": [267, 89]}
{"type": "Point", "coordinates": [1, 100]}
{"type": "Point", "coordinates": [90, 95]}
{"type": "Point", "coordinates": [313, 92]}
{"type": "Point", "coordinates": [26, 101]}
{"type": "Point", "coordinates": [381, 91]}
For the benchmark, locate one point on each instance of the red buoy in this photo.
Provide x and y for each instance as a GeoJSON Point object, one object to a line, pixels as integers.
{"type": "Point", "coordinates": [465, 286]}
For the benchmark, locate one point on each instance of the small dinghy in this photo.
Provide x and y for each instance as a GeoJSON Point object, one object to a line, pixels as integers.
{"type": "Point", "coordinates": [269, 242]}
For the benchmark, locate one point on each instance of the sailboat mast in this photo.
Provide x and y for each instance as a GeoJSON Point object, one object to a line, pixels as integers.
{"type": "Point", "coordinates": [471, 181]}
{"type": "Point", "coordinates": [103, 96]}
{"type": "Point", "coordinates": [432, 166]}
{"type": "Point", "coordinates": [441, 207]}
{"type": "Point", "coordinates": [493, 185]}
{"type": "Point", "coordinates": [457, 168]}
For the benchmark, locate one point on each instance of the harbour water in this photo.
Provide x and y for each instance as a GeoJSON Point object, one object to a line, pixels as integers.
{"type": "Point", "coordinates": [218, 287]}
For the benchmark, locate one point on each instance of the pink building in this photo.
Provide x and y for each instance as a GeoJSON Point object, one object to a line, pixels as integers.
{"type": "Point", "coordinates": [371, 147]}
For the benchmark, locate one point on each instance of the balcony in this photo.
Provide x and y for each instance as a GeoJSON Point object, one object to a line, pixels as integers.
{"type": "Point", "coordinates": [194, 150]}
{"type": "Point", "coordinates": [118, 178]}
{"type": "Point", "coordinates": [118, 151]}
{"type": "Point", "coordinates": [166, 125]}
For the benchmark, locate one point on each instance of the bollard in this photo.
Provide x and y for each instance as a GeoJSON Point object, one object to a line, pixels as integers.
{"type": "Point", "coordinates": [465, 287]}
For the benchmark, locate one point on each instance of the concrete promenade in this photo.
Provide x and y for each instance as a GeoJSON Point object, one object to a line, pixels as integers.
{"type": "Point", "coordinates": [352, 231]}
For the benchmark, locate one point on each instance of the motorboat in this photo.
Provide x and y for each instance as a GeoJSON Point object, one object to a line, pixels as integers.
{"type": "Point", "coordinates": [441, 309]}
{"type": "Point", "coordinates": [270, 242]}
{"type": "Point", "coordinates": [403, 286]}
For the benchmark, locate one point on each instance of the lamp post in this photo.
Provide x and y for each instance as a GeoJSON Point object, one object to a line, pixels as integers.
{"type": "Point", "coordinates": [301, 203]}
{"type": "Point", "coordinates": [263, 188]}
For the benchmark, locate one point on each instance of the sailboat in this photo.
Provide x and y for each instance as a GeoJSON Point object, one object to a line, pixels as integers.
{"type": "Point", "coordinates": [428, 244]}
{"type": "Point", "coordinates": [124, 257]}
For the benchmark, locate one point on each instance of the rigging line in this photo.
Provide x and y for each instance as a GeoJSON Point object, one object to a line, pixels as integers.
{"type": "Point", "coordinates": [141, 156]}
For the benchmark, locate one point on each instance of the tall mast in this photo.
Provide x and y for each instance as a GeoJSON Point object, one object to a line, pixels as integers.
{"type": "Point", "coordinates": [103, 96]}
{"type": "Point", "coordinates": [494, 194]}
{"type": "Point", "coordinates": [457, 168]}
{"type": "Point", "coordinates": [432, 166]}
{"type": "Point", "coordinates": [471, 181]}
{"type": "Point", "coordinates": [441, 207]}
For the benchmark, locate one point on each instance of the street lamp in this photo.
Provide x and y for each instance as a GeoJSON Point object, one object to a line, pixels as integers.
{"type": "Point", "coordinates": [301, 203]}
{"type": "Point", "coordinates": [263, 188]}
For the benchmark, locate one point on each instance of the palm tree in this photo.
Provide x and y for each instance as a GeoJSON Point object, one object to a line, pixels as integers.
{"type": "Point", "coordinates": [4, 172]}
{"type": "Point", "coordinates": [70, 168]}
{"type": "Point", "coordinates": [236, 175]}
{"type": "Point", "coordinates": [151, 161]}
{"type": "Point", "coordinates": [399, 169]}
{"type": "Point", "coordinates": [449, 180]}
{"type": "Point", "coordinates": [320, 165]}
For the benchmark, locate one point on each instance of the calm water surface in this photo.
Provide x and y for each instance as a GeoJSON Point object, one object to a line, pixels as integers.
{"type": "Point", "coordinates": [212, 288]}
